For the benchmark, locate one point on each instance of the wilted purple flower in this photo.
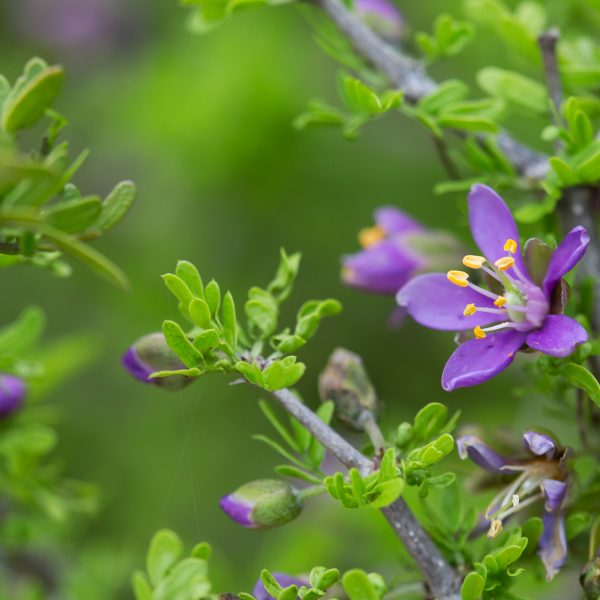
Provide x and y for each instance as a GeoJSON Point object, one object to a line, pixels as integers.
{"type": "Point", "coordinates": [396, 249]}
{"type": "Point", "coordinates": [383, 17]}
{"type": "Point", "coordinates": [151, 353]}
{"type": "Point", "coordinates": [540, 477]}
{"type": "Point", "coordinates": [516, 311]}
{"type": "Point", "coordinates": [12, 394]}
{"type": "Point", "coordinates": [284, 580]}
{"type": "Point", "coordinates": [262, 504]}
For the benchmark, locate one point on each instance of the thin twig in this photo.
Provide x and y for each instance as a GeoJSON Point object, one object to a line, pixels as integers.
{"type": "Point", "coordinates": [407, 74]}
{"type": "Point", "coordinates": [442, 150]}
{"type": "Point", "coordinates": [547, 42]}
{"type": "Point", "coordinates": [440, 578]}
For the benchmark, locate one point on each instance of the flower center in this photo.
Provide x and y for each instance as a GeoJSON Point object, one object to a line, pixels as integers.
{"type": "Point", "coordinates": [522, 305]}
{"type": "Point", "coordinates": [369, 236]}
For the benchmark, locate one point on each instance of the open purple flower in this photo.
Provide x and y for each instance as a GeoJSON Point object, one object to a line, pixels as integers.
{"type": "Point", "coordinates": [12, 394]}
{"type": "Point", "coordinates": [383, 17]}
{"type": "Point", "coordinates": [517, 310]}
{"type": "Point", "coordinates": [541, 476]}
{"type": "Point", "coordinates": [283, 579]}
{"type": "Point", "coordinates": [396, 249]}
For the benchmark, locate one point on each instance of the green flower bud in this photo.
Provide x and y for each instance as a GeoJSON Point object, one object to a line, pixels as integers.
{"type": "Point", "coordinates": [404, 434]}
{"type": "Point", "coordinates": [262, 504]}
{"type": "Point", "coordinates": [345, 381]}
{"type": "Point", "coordinates": [590, 579]}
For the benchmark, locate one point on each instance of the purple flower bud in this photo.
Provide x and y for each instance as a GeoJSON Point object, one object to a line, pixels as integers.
{"type": "Point", "coordinates": [262, 504]}
{"type": "Point", "coordinates": [151, 353]}
{"type": "Point", "coordinates": [539, 444]}
{"type": "Point", "coordinates": [470, 446]}
{"type": "Point", "coordinates": [383, 17]}
{"type": "Point", "coordinates": [12, 394]}
{"type": "Point", "coordinates": [284, 580]}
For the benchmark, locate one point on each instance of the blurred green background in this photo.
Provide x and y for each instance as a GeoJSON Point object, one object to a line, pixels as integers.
{"type": "Point", "coordinates": [203, 126]}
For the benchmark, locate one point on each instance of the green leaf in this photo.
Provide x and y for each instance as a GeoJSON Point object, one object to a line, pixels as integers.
{"type": "Point", "coordinates": [250, 371]}
{"type": "Point", "coordinates": [296, 472]}
{"type": "Point", "coordinates": [448, 92]}
{"type": "Point", "coordinates": [193, 372]}
{"type": "Point", "coordinates": [385, 493]}
{"type": "Point", "coordinates": [358, 586]}
{"type": "Point", "coordinates": [28, 100]}
{"type": "Point", "coordinates": [577, 523]}
{"type": "Point", "coordinates": [212, 295]}
{"type": "Point", "coordinates": [468, 123]}
{"type": "Point", "coordinates": [186, 271]}
{"type": "Point", "coordinates": [472, 587]}
{"type": "Point", "coordinates": [202, 550]}
{"type": "Point", "coordinates": [327, 579]}
{"type": "Point", "coordinates": [429, 420]}
{"type": "Point", "coordinates": [262, 312]}
{"type": "Point", "coordinates": [165, 549]}
{"type": "Point", "coordinates": [437, 449]}
{"type": "Point", "coordinates": [180, 344]}
{"type": "Point", "coordinates": [180, 290]}
{"type": "Point", "coordinates": [200, 313]}
{"type": "Point", "coordinates": [580, 377]}
{"type": "Point", "coordinates": [270, 584]}
{"type": "Point", "coordinates": [22, 333]}
{"type": "Point", "coordinates": [565, 173]}
{"type": "Point", "coordinates": [186, 581]}
{"type": "Point", "coordinates": [441, 481]}
{"type": "Point", "coordinates": [514, 88]}
{"type": "Point", "coordinates": [278, 426]}
{"type": "Point", "coordinates": [282, 373]}
{"type": "Point", "coordinates": [206, 341]}
{"type": "Point", "coordinates": [141, 586]}
{"type": "Point", "coordinates": [589, 170]}
{"type": "Point", "coordinates": [229, 321]}
{"type": "Point", "coordinates": [289, 593]}
{"type": "Point", "coordinates": [116, 205]}
{"type": "Point", "coordinates": [74, 216]}
{"type": "Point", "coordinates": [281, 286]}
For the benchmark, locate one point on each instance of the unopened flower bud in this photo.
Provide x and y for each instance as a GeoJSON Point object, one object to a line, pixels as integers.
{"type": "Point", "coordinates": [151, 353]}
{"type": "Point", "coordinates": [262, 504]}
{"type": "Point", "coordinates": [404, 434]}
{"type": "Point", "coordinates": [590, 579]}
{"type": "Point", "coordinates": [12, 394]}
{"type": "Point", "coordinates": [345, 381]}
{"type": "Point", "coordinates": [383, 17]}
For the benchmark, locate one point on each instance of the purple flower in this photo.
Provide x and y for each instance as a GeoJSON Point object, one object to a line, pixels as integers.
{"type": "Point", "coordinates": [262, 504]}
{"type": "Point", "coordinates": [395, 249]}
{"type": "Point", "coordinates": [516, 310]}
{"type": "Point", "coordinates": [149, 354]}
{"type": "Point", "coordinates": [12, 394]}
{"type": "Point", "coordinates": [541, 477]}
{"type": "Point", "coordinates": [284, 580]}
{"type": "Point", "coordinates": [383, 17]}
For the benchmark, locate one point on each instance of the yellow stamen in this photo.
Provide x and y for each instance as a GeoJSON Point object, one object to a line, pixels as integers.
{"type": "Point", "coordinates": [369, 236]}
{"type": "Point", "coordinates": [458, 278]}
{"type": "Point", "coordinates": [510, 246]}
{"type": "Point", "coordinates": [495, 528]}
{"type": "Point", "coordinates": [506, 262]}
{"type": "Point", "coordinates": [470, 309]}
{"type": "Point", "coordinates": [479, 333]}
{"type": "Point", "coordinates": [473, 262]}
{"type": "Point", "coordinates": [500, 301]}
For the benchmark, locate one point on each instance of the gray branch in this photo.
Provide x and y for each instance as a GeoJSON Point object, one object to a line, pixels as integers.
{"type": "Point", "coordinates": [407, 74]}
{"type": "Point", "coordinates": [441, 579]}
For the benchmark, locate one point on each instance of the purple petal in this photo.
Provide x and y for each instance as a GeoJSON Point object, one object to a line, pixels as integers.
{"type": "Point", "coordinates": [492, 224]}
{"type": "Point", "coordinates": [539, 444]}
{"type": "Point", "coordinates": [282, 579]}
{"type": "Point", "coordinates": [472, 447]}
{"type": "Point", "coordinates": [433, 301]}
{"type": "Point", "coordinates": [478, 360]}
{"type": "Point", "coordinates": [237, 509]}
{"type": "Point", "coordinates": [569, 252]}
{"type": "Point", "coordinates": [554, 492]}
{"type": "Point", "coordinates": [394, 221]}
{"type": "Point", "coordinates": [134, 366]}
{"type": "Point", "coordinates": [553, 543]}
{"type": "Point", "coordinates": [382, 268]}
{"type": "Point", "coordinates": [558, 336]}
{"type": "Point", "coordinates": [12, 394]}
